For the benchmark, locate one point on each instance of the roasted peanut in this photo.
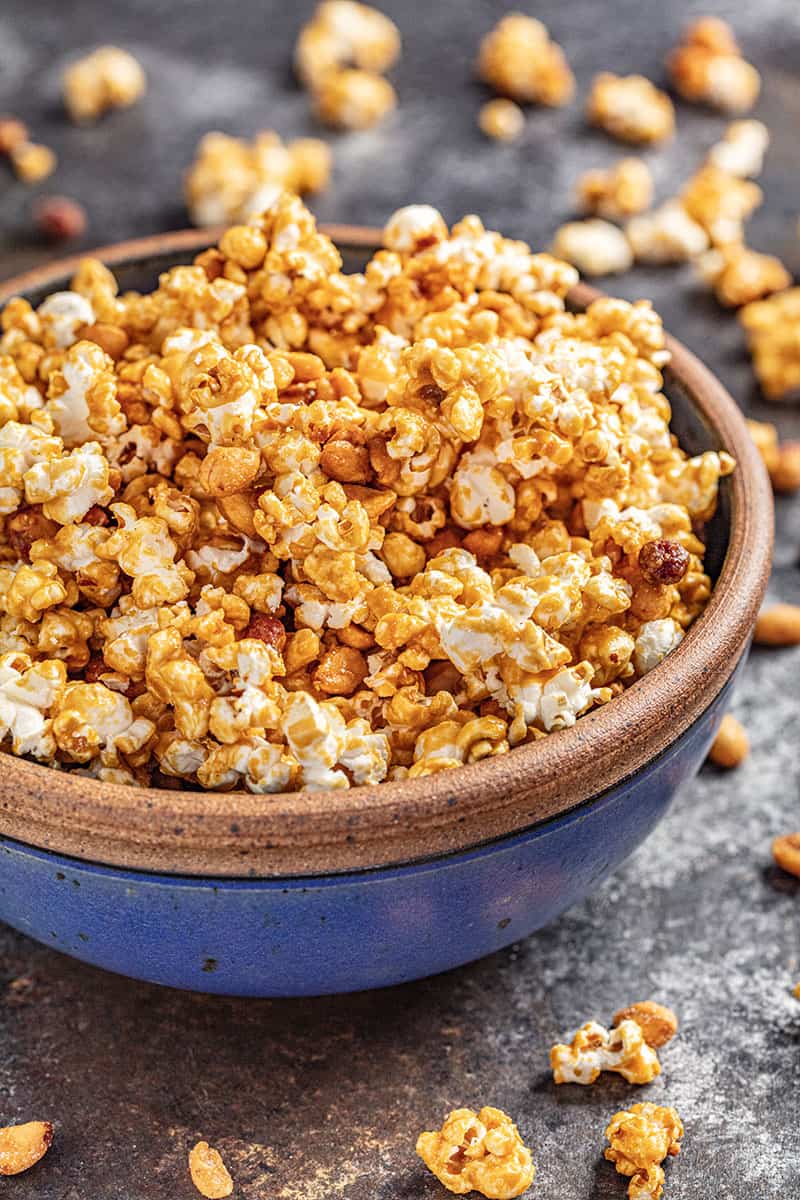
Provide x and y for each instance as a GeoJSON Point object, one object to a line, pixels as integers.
{"type": "Point", "coordinates": [226, 470]}
{"type": "Point", "coordinates": [21, 1146]}
{"type": "Point", "coordinates": [778, 625]}
{"type": "Point", "coordinates": [786, 852]}
{"type": "Point", "coordinates": [731, 746]}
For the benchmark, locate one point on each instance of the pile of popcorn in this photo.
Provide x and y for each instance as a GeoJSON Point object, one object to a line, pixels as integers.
{"type": "Point", "coordinates": [276, 527]}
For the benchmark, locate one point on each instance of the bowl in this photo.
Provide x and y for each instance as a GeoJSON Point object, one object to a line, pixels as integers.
{"type": "Point", "coordinates": [312, 893]}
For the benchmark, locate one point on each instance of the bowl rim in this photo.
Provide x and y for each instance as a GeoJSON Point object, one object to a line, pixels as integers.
{"type": "Point", "coordinates": [293, 834]}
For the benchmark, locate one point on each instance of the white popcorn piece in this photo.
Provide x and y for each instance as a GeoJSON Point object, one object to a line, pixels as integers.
{"type": "Point", "coordinates": [595, 1048]}
{"type": "Point", "coordinates": [595, 247]}
{"type": "Point", "coordinates": [62, 314]}
{"type": "Point", "coordinates": [741, 150]}
{"type": "Point", "coordinates": [654, 641]}
{"type": "Point", "coordinates": [666, 235]}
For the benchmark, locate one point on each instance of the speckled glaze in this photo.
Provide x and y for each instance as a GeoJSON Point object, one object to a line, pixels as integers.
{"type": "Point", "coordinates": [310, 893]}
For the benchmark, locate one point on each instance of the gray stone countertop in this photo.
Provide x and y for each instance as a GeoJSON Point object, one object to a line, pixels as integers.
{"type": "Point", "coordinates": [317, 1099]}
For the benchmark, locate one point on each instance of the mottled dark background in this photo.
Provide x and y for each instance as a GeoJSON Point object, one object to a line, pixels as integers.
{"type": "Point", "coordinates": [314, 1100]}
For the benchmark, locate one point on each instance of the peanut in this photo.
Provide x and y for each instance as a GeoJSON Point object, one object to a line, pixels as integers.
{"type": "Point", "coordinates": [340, 671]}
{"type": "Point", "coordinates": [23, 1145]}
{"type": "Point", "coordinates": [12, 133]}
{"type": "Point", "coordinates": [226, 470]}
{"type": "Point", "coordinates": [657, 1022]}
{"type": "Point", "coordinates": [778, 625]}
{"type": "Point", "coordinates": [238, 511]}
{"type": "Point", "coordinates": [731, 746]}
{"type": "Point", "coordinates": [110, 338]}
{"type": "Point", "coordinates": [209, 1174]}
{"type": "Point", "coordinates": [786, 852]}
{"type": "Point", "coordinates": [59, 218]}
{"type": "Point", "coordinates": [344, 462]}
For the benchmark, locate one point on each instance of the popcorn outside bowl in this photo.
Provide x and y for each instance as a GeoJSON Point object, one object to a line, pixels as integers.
{"type": "Point", "coordinates": [310, 893]}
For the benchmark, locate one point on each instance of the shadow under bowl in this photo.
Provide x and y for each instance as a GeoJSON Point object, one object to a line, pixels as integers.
{"type": "Point", "coordinates": [312, 893]}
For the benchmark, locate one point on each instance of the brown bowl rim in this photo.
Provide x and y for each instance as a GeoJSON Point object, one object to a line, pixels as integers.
{"type": "Point", "coordinates": [239, 834]}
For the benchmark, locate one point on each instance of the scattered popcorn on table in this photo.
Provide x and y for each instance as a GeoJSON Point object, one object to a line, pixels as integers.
{"type": "Point", "coordinates": [32, 162]}
{"type": "Point", "coordinates": [666, 235]}
{"type": "Point", "coordinates": [342, 34]}
{"type": "Point", "coordinates": [478, 1152]}
{"type": "Point", "coordinates": [721, 203]}
{"type": "Point", "coordinates": [657, 1022]}
{"type": "Point", "coordinates": [105, 79]}
{"type": "Point", "coordinates": [740, 275]}
{"type": "Point", "coordinates": [232, 179]}
{"type": "Point", "coordinates": [21, 1146]}
{"type": "Point", "coordinates": [708, 67]}
{"type": "Point", "coordinates": [595, 1048]}
{"type": "Point", "coordinates": [640, 1138]}
{"type": "Point", "coordinates": [276, 527]}
{"type": "Point", "coordinates": [622, 191]}
{"type": "Point", "coordinates": [773, 335]}
{"type": "Point", "coordinates": [595, 247]}
{"type": "Point", "coordinates": [354, 99]}
{"type": "Point", "coordinates": [741, 150]}
{"type": "Point", "coordinates": [502, 120]}
{"type": "Point", "coordinates": [631, 108]}
{"type": "Point", "coordinates": [518, 59]}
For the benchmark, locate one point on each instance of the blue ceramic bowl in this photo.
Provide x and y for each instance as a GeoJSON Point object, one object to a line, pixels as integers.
{"type": "Point", "coordinates": [320, 893]}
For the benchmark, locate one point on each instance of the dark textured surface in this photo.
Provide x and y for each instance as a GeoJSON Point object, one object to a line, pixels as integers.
{"type": "Point", "coordinates": [314, 1100]}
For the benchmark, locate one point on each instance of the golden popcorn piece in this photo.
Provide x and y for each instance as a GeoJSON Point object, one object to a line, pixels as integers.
{"type": "Point", "coordinates": [666, 235]}
{"type": "Point", "coordinates": [631, 108]}
{"type": "Point", "coordinates": [232, 179]}
{"type": "Point", "coordinates": [209, 1174]}
{"type": "Point", "coordinates": [772, 327]}
{"type": "Point", "coordinates": [595, 247]}
{"type": "Point", "coordinates": [594, 1049]}
{"type": "Point", "coordinates": [480, 1152]}
{"type": "Point", "coordinates": [107, 78]}
{"type": "Point", "coordinates": [354, 99]}
{"type": "Point", "coordinates": [741, 276]}
{"type": "Point", "coordinates": [501, 120]}
{"type": "Point", "coordinates": [341, 34]}
{"type": "Point", "coordinates": [741, 150]}
{"type": "Point", "coordinates": [657, 1022]}
{"type": "Point", "coordinates": [641, 1138]}
{"type": "Point", "coordinates": [622, 191]}
{"type": "Point", "coordinates": [721, 203]}
{"type": "Point", "coordinates": [21, 1146]}
{"type": "Point", "coordinates": [708, 67]}
{"type": "Point", "coordinates": [330, 529]}
{"type": "Point", "coordinates": [518, 59]}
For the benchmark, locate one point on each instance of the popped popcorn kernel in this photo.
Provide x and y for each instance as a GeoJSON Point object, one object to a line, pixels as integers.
{"type": "Point", "coordinates": [272, 526]}
{"type": "Point", "coordinates": [631, 108]}
{"type": "Point", "coordinates": [741, 149]}
{"type": "Point", "coordinates": [721, 203]}
{"type": "Point", "coordinates": [708, 67]}
{"type": "Point", "coordinates": [622, 191]}
{"type": "Point", "coordinates": [107, 78]}
{"type": "Point", "coordinates": [741, 276]}
{"type": "Point", "coordinates": [32, 161]}
{"type": "Point", "coordinates": [595, 247]}
{"type": "Point", "coordinates": [668, 234]}
{"type": "Point", "coordinates": [518, 59]}
{"type": "Point", "coordinates": [641, 1138]}
{"type": "Point", "coordinates": [502, 120]}
{"type": "Point", "coordinates": [232, 179]}
{"type": "Point", "coordinates": [209, 1174]}
{"type": "Point", "coordinates": [772, 327]}
{"type": "Point", "coordinates": [480, 1152]}
{"type": "Point", "coordinates": [343, 33]}
{"type": "Point", "coordinates": [594, 1049]}
{"type": "Point", "coordinates": [354, 99]}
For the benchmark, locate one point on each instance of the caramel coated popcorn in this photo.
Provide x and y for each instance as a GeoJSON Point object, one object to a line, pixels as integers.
{"type": "Point", "coordinates": [721, 203]}
{"type": "Point", "coordinates": [344, 34]}
{"type": "Point", "coordinates": [708, 67]}
{"type": "Point", "coordinates": [275, 527]}
{"type": "Point", "coordinates": [622, 191]}
{"type": "Point", "coordinates": [773, 334]}
{"type": "Point", "coordinates": [666, 235]}
{"type": "Point", "coordinates": [595, 247]}
{"type": "Point", "coordinates": [105, 79]}
{"type": "Point", "coordinates": [518, 59]}
{"type": "Point", "coordinates": [741, 150]}
{"type": "Point", "coordinates": [631, 108]}
{"type": "Point", "coordinates": [232, 179]}
{"type": "Point", "coordinates": [594, 1048]}
{"type": "Point", "coordinates": [640, 1138]}
{"type": "Point", "coordinates": [209, 1174]}
{"type": "Point", "coordinates": [740, 275]}
{"type": "Point", "coordinates": [478, 1152]}
{"type": "Point", "coordinates": [354, 99]}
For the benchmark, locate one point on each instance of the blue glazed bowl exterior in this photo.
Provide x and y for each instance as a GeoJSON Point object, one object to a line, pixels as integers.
{"type": "Point", "coordinates": [339, 933]}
